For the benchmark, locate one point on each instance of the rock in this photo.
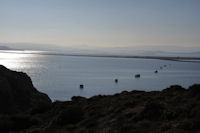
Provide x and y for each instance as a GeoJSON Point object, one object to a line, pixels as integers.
{"type": "Point", "coordinates": [195, 89]}
{"type": "Point", "coordinates": [174, 88]}
{"type": "Point", "coordinates": [17, 93]}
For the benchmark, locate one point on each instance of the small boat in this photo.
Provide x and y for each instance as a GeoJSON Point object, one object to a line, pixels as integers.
{"type": "Point", "coordinates": [137, 76]}
{"type": "Point", "coordinates": [116, 80]}
{"type": "Point", "coordinates": [81, 86]}
{"type": "Point", "coordinates": [156, 71]}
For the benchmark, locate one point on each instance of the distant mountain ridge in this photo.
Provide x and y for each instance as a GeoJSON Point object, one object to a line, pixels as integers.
{"type": "Point", "coordinates": [5, 48]}
{"type": "Point", "coordinates": [119, 51]}
{"type": "Point", "coordinates": [172, 54]}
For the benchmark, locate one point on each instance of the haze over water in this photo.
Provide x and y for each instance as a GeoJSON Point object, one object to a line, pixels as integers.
{"type": "Point", "coordinates": [170, 25]}
{"type": "Point", "coordinates": [60, 76]}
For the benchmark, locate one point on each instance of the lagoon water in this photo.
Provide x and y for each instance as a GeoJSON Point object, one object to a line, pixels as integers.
{"type": "Point", "coordinates": [60, 76]}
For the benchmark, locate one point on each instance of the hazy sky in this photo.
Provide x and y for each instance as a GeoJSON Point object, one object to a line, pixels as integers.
{"type": "Point", "coordinates": [113, 23]}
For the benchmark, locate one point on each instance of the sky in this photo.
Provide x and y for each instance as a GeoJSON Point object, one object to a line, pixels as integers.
{"type": "Point", "coordinates": [101, 23]}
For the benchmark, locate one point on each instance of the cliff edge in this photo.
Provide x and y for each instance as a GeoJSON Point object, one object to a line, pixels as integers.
{"type": "Point", "coordinates": [17, 93]}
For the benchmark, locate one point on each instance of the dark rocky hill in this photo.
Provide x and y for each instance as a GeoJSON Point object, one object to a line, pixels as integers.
{"type": "Point", "coordinates": [25, 110]}
{"type": "Point", "coordinates": [17, 93]}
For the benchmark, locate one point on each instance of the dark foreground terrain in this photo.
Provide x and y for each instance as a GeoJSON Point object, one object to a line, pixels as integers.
{"type": "Point", "coordinates": [23, 109]}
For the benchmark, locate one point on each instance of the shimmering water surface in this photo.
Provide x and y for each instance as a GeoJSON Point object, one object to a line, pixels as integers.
{"type": "Point", "coordinates": [60, 76]}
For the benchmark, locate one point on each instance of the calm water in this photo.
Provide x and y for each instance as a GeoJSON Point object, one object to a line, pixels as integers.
{"type": "Point", "coordinates": [60, 76]}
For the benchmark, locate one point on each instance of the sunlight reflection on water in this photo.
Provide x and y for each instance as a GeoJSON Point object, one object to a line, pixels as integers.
{"type": "Point", "coordinates": [29, 63]}
{"type": "Point", "coordinates": [14, 60]}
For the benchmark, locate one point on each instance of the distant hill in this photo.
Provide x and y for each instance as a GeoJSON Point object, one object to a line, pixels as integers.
{"type": "Point", "coordinates": [112, 51]}
{"type": "Point", "coordinates": [170, 54]}
{"type": "Point", "coordinates": [5, 48]}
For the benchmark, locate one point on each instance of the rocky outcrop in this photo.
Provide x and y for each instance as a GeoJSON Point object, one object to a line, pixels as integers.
{"type": "Point", "coordinates": [173, 110]}
{"type": "Point", "coordinates": [17, 93]}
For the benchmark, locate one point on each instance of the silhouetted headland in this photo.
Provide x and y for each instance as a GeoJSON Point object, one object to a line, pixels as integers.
{"type": "Point", "coordinates": [26, 110]}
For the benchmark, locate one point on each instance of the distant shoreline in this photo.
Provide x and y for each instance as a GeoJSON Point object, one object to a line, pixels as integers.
{"type": "Point", "coordinates": [180, 59]}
